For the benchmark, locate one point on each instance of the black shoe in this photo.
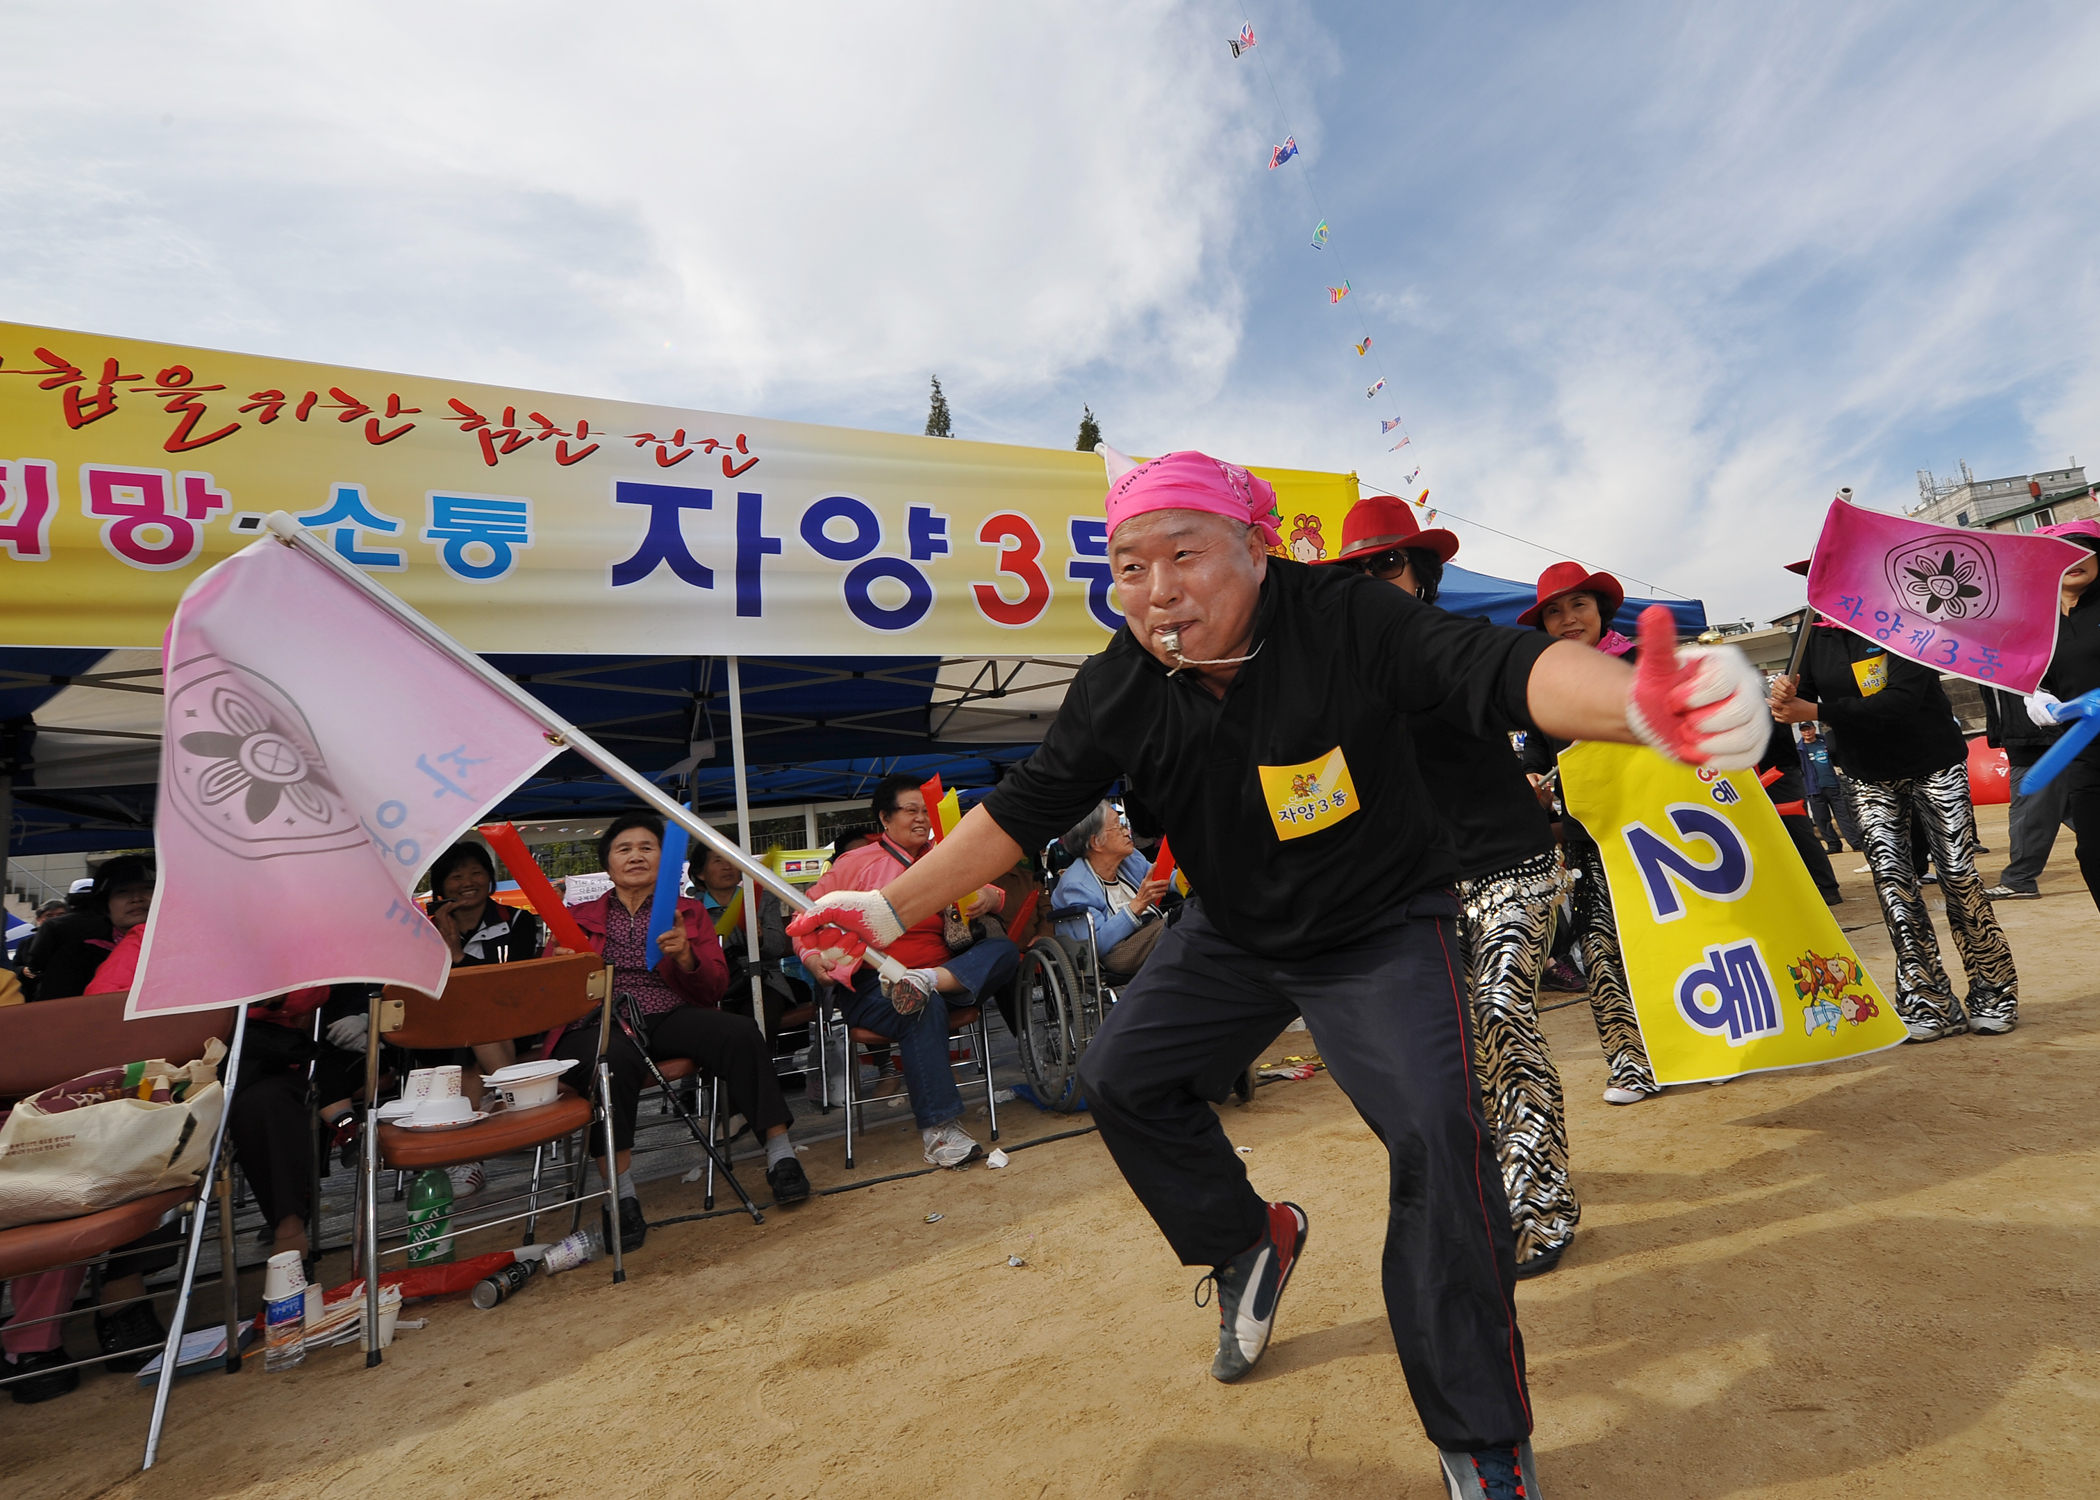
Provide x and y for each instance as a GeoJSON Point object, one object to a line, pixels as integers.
{"type": "Point", "coordinates": [45, 1387]}
{"type": "Point", "coordinates": [634, 1228]}
{"type": "Point", "coordinates": [133, 1328]}
{"type": "Point", "coordinates": [1250, 1286]}
{"type": "Point", "coordinates": [1540, 1263]}
{"type": "Point", "coordinates": [790, 1184]}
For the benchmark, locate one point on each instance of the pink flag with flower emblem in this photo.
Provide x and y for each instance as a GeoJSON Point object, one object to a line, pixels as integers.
{"type": "Point", "coordinates": [1975, 604]}
{"type": "Point", "coordinates": [316, 757]}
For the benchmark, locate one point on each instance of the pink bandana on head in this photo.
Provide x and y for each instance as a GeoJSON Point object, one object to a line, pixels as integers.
{"type": "Point", "coordinates": [1195, 481]}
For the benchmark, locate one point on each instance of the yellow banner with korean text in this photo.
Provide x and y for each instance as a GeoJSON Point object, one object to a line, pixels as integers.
{"type": "Point", "coordinates": [1735, 963]}
{"type": "Point", "coordinates": [521, 520]}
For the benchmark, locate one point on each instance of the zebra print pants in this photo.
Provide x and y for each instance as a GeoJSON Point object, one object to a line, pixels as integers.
{"type": "Point", "coordinates": [1611, 1002]}
{"type": "Point", "coordinates": [1924, 997]}
{"type": "Point", "coordinates": [1507, 919]}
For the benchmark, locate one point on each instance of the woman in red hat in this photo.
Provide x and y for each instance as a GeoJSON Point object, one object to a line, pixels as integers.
{"type": "Point", "coordinates": [1577, 605]}
{"type": "Point", "coordinates": [1512, 882]}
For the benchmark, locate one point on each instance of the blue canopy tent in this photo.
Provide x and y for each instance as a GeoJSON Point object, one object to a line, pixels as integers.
{"type": "Point", "coordinates": [80, 729]}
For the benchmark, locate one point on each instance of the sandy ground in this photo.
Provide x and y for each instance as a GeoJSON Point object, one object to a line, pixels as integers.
{"type": "Point", "coordinates": [1871, 1279]}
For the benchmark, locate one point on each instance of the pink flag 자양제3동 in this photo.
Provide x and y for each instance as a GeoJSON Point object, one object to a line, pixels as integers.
{"type": "Point", "coordinates": [316, 756]}
{"type": "Point", "coordinates": [1975, 604]}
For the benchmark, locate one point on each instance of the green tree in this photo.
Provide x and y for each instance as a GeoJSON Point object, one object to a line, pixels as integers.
{"type": "Point", "coordinates": [1089, 431]}
{"type": "Point", "coordinates": [937, 420]}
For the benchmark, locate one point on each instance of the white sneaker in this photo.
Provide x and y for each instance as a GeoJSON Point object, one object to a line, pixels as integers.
{"type": "Point", "coordinates": [1863, 870]}
{"type": "Point", "coordinates": [950, 1145]}
{"type": "Point", "coordinates": [1617, 1095]}
{"type": "Point", "coordinates": [1992, 1025]}
{"type": "Point", "coordinates": [467, 1180]}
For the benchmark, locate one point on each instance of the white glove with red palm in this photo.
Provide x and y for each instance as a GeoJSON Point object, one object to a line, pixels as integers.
{"type": "Point", "coordinates": [833, 934]}
{"type": "Point", "coordinates": [1703, 705]}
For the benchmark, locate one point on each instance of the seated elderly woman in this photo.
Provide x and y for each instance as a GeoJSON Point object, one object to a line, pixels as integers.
{"type": "Point", "coordinates": [915, 1011]}
{"type": "Point", "coordinates": [64, 952]}
{"type": "Point", "coordinates": [1110, 880]}
{"type": "Point", "coordinates": [782, 980]}
{"type": "Point", "coordinates": [679, 990]}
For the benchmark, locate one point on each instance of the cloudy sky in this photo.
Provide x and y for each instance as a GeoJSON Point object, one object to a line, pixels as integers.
{"type": "Point", "coordinates": [1648, 282]}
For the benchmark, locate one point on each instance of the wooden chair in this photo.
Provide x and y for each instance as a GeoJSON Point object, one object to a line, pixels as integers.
{"type": "Point", "coordinates": [54, 1040]}
{"type": "Point", "coordinates": [487, 1003]}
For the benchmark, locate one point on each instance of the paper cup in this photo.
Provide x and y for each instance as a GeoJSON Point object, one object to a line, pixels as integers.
{"type": "Point", "coordinates": [389, 1315]}
{"type": "Point", "coordinates": [432, 1083]}
{"type": "Point", "coordinates": [284, 1275]}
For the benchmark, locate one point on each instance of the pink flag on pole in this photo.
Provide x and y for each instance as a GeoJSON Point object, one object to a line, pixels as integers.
{"type": "Point", "coordinates": [316, 756]}
{"type": "Point", "coordinates": [1976, 604]}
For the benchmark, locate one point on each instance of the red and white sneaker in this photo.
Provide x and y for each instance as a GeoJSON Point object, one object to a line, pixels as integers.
{"type": "Point", "coordinates": [1250, 1285]}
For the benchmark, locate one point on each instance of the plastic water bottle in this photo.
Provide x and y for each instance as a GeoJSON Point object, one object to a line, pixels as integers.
{"type": "Point", "coordinates": [429, 1217]}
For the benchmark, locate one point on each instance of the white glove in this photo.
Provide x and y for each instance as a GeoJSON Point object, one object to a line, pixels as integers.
{"type": "Point", "coordinates": [1703, 705]}
{"type": "Point", "coordinates": [349, 1033]}
{"type": "Point", "coordinates": [2042, 706]}
{"type": "Point", "coordinates": [833, 934]}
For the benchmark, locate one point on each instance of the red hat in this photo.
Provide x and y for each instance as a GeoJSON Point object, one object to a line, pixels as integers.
{"type": "Point", "coordinates": [1378, 522]}
{"type": "Point", "coordinates": [2086, 530]}
{"type": "Point", "coordinates": [1569, 578]}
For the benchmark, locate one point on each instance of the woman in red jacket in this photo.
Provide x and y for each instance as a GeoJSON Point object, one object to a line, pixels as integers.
{"type": "Point", "coordinates": [679, 990]}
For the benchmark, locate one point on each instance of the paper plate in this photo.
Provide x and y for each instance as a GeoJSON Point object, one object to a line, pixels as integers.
{"type": "Point", "coordinates": [479, 1114]}
{"type": "Point", "coordinates": [526, 1072]}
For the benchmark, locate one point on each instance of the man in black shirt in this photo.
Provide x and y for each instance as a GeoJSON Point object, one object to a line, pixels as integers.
{"type": "Point", "coordinates": [1256, 706]}
{"type": "Point", "coordinates": [1901, 746]}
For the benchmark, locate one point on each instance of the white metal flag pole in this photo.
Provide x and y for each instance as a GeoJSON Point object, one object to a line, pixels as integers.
{"type": "Point", "coordinates": [743, 835]}
{"type": "Point", "coordinates": [559, 731]}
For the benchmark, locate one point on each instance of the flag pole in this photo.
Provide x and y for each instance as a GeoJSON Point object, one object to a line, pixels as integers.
{"type": "Point", "coordinates": [558, 730]}
{"type": "Point", "coordinates": [743, 834]}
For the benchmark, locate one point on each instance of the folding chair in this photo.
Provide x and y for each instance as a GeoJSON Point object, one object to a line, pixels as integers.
{"type": "Point", "coordinates": [966, 1023]}
{"type": "Point", "coordinates": [482, 1004]}
{"type": "Point", "coordinates": [55, 1040]}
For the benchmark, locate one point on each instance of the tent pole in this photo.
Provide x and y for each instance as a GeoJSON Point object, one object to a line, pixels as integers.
{"type": "Point", "coordinates": [743, 836]}
{"type": "Point", "coordinates": [286, 528]}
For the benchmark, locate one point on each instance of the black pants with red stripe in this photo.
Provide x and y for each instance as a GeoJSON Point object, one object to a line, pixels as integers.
{"type": "Point", "coordinates": [1389, 1016]}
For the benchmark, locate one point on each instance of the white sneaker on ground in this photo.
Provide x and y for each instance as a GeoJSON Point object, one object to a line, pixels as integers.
{"type": "Point", "coordinates": [1864, 870]}
{"type": "Point", "coordinates": [1927, 1031]}
{"type": "Point", "coordinates": [1617, 1095]}
{"type": "Point", "coordinates": [949, 1145]}
{"type": "Point", "coordinates": [467, 1180]}
{"type": "Point", "coordinates": [1992, 1025]}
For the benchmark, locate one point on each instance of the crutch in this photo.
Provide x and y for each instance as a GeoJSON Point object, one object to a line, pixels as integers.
{"type": "Point", "coordinates": [628, 1014]}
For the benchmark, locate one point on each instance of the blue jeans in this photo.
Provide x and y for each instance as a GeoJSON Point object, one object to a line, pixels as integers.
{"type": "Point", "coordinates": [922, 1037]}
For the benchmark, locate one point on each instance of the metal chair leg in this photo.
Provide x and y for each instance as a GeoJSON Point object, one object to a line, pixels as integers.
{"type": "Point", "coordinates": [714, 1133]}
{"type": "Point", "coordinates": [980, 1041]}
{"type": "Point", "coordinates": [532, 1194]}
{"type": "Point", "coordinates": [229, 1269]}
{"type": "Point", "coordinates": [820, 1036]}
{"type": "Point", "coordinates": [852, 1092]}
{"type": "Point", "coordinates": [612, 1180]}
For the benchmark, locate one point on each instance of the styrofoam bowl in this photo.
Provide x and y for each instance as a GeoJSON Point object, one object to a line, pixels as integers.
{"type": "Point", "coordinates": [531, 1093]}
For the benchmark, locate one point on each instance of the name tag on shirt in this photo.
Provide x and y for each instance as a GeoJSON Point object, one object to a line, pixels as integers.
{"type": "Point", "coordinates": [1306, 798]}
{"type": "Point", "coordinates": [1872, 674]}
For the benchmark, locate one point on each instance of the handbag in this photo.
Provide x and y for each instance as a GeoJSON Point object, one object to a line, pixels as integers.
{"type": "Point", "coordinates": [955, 932]}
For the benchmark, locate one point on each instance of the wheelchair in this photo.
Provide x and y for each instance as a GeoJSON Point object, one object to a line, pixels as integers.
{"type": "Point", "coordinates": [1062, 994]}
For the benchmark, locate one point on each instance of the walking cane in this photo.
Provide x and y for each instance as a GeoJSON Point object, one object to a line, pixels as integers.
{"type": "Point", "coordinates": [627, 1012]}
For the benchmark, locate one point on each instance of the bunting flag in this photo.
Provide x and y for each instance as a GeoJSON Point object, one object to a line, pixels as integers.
{"type": "Point", "coordinates": [1337, 293]}
{"type": "Point", "coordinates": [1399, 445]}
{"type": "Point", "coordinates": [1244, 42]}
{"type": "Point", "coordinates": [1376, 387]}
{"type": "Point", "coordinates": [1410, 479]}
{"type": "Point", "coordinates": [1385, 427]}
{"type": "Point", "coordinates": [1320, 235]}
{"type": "Point", "coordinates": [1429, 518]}
{"type": "Point", "coordinates": [1278, 155]}
{"type": "Point", "coordinates": [1365, 347]}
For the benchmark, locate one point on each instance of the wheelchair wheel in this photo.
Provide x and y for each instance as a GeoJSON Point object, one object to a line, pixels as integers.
{"type": "Point", "coordinates": [1047, 993]}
